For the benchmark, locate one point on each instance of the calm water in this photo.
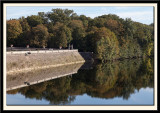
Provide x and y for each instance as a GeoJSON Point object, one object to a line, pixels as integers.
{"type": "Point", "coordinates": [127, 82]}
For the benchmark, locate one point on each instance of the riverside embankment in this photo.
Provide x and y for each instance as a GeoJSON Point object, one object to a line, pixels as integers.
{"type": "Point", "coordinates": [19, 61]}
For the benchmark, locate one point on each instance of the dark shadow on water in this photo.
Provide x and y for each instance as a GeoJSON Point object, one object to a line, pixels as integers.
{"type": "Point", "coordinates": [87, 65]}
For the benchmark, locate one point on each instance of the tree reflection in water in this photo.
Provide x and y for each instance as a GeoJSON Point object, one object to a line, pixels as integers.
{"type": "Point", "coordinates": [108, 80]}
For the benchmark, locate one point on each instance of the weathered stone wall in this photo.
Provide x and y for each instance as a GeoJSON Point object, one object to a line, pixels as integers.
{"type": "Point", "coordinates": [19, 61]}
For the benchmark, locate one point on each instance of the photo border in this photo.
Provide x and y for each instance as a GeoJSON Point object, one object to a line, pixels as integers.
{"type": "Point", "coordinates": [88, 107]}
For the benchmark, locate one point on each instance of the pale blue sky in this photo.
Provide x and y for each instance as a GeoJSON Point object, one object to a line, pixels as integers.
{"type": "Point", "coordinates": [143, 14]}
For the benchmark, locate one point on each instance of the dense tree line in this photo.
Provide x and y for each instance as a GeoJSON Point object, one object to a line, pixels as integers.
{"type": "Point", "coordinates": [108, 36]}
{"type": "Point", "coordinates": [105, 80]}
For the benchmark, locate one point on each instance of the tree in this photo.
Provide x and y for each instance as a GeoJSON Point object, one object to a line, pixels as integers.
{"type": "Point", "coordinates": [23, 38]}
{"type": "Point", "coordinates": [60, 35]}
{"type": "Point", "coordinates": [144, 35]}
{"type": "Point", "coordinates": [128, 28]}
{"type": "Point", "coordinates": [44, 17]}
{"type": "Point", "coordinates": [60, 15]}
{"type": "Point", "coordinates": [139, 32]}
{"type": "Point", "coordinates": [24, 24]}
{"type": "Point", "coordinates": [85, 20]}
{"type": "Point", "coordinates": [62, 40]}
{"type": "Point", "coordinates": [103, 43]}
{"type": "Point", "coordinates": [115, 26]}
{"type": "Point", "coordinates": [98, 22]}
{"type": "Point", "coordinates": [14, 29]}
{"type": "Point", "coordinates": [108, 36]}
{"type": "Point", "coordinates": [34, 20]}
{"type": "Point", "coordinates": [107, 45]}
{"type": "Point", "coordinates": [39, 36]}
{"type": "Point", "coordinates": [111, 16]}
{"type": "Point", "coordinates": [75, 24]}
{"type": "Point", "coordinates": [78, 34]}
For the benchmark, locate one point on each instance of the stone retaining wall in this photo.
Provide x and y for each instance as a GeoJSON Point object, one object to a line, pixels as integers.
{"type": "Point", "coordinates": [19, 61]}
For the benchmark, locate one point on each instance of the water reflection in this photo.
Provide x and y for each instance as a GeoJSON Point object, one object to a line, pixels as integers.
{"type": "Point", "coordinates": [17, 80]}
{"type": "Point", "coordinates": [109, 80]}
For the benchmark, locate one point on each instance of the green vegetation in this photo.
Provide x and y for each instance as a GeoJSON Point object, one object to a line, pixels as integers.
{"type": "Point", "coordinates": [108, 36]}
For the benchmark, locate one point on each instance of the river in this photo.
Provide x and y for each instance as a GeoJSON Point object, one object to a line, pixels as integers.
{"type": "Point", "coordinates": [127, 82]}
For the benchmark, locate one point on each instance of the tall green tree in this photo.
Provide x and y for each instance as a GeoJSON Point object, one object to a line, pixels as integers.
{"type": "Point", "coordinates": [44, 17]}
{"type": "Point", "coordinates": [129, 28]}
{"type": "Point", "coordinates": [39, 36]}
{"type": "Point", "coordinates": [60, 15]}
{"type": "Point", "coordinates": [34, 20]}
{"type": "Point", "coordinates": [62, 40]}
{"type": "Point", "coordinates": [23, 38]}
{"type": "Point", "coordinates": [60, 35]}
{"type": "Point", "coordinates": [78, 34]}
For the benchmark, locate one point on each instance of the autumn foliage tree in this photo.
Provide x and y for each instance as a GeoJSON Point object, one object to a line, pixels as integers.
{"type": "Point", "coordinates": [14, 29]}
{"type": "Point", "coordinates": [108, 36]}
{"type": "Point", "coordinates": [106, 45]}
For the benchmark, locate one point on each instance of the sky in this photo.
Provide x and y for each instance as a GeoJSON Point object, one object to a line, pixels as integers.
{"type": "Point", "coordinates": [142, 14]}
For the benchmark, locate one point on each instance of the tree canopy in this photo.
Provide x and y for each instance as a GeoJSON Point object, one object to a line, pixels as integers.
{"type": "Point", "coordinates": [108, 36]}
